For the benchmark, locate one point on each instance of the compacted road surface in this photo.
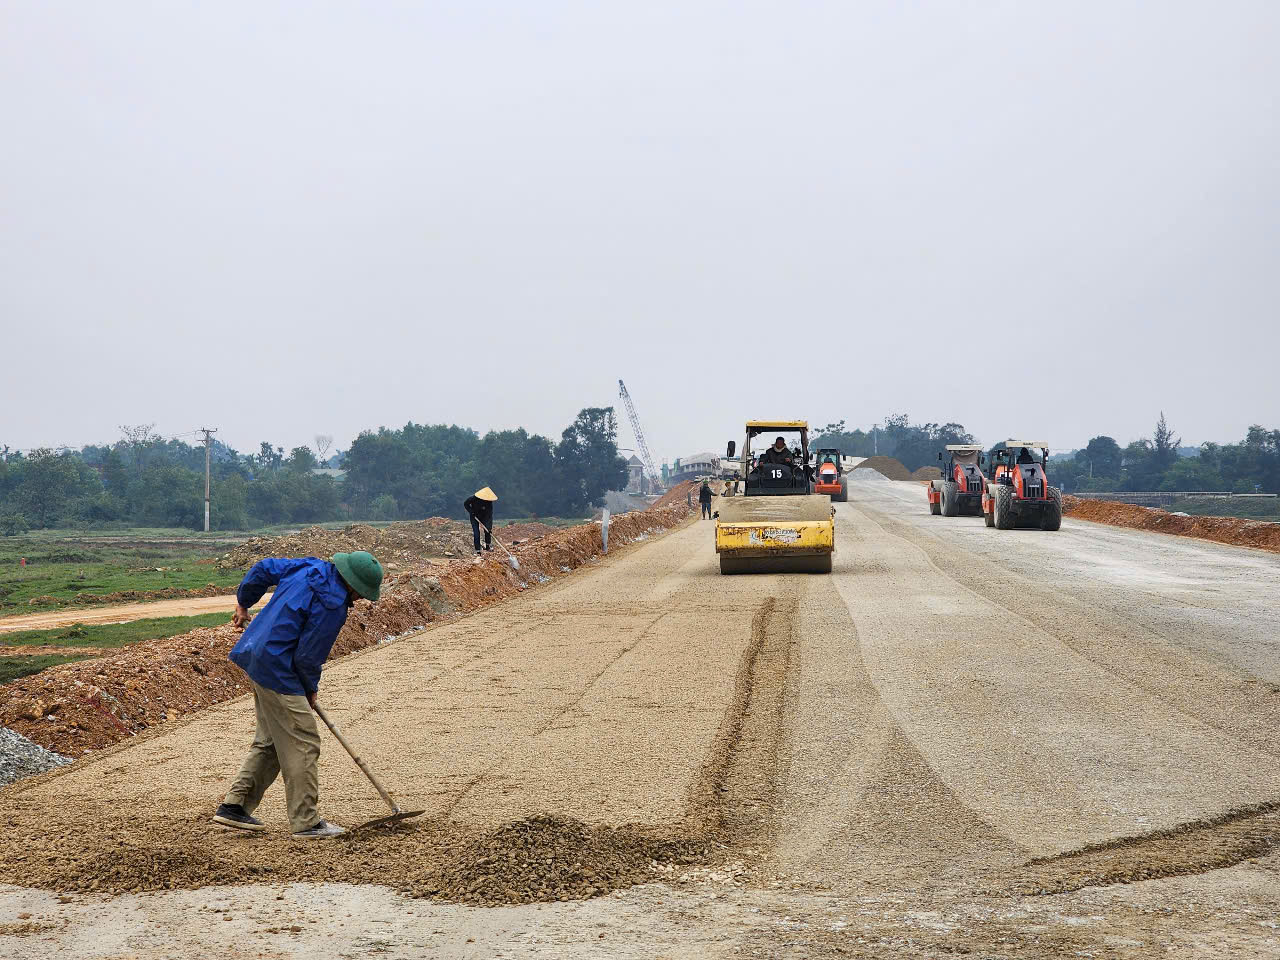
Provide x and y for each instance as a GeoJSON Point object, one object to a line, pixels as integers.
{"type": "Point", "coordinates": [1009, 743]}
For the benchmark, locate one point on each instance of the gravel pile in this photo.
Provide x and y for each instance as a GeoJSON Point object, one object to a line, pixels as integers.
{"type": "Point", "coordinates": [889, 467]}
{"type": "Point", "coordinates": [19, 757]}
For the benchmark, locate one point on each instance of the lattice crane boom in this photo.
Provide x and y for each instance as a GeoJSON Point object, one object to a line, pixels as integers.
{"type": "Point", "coordinates": [645, 457]}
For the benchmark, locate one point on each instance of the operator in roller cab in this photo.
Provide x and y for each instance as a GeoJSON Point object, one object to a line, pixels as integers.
{"type": "Point", "coordinates": [778, 453]}
{"type": "Point", "coordinates": [779, 466]}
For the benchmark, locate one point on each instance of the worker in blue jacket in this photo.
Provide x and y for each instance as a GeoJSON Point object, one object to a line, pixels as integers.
{"type": "Point", "coordinates": [282, 651]}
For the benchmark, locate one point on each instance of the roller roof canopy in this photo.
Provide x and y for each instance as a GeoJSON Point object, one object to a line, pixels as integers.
{"type": "Point", "coordinates": [777, 424]}
{"type": "Point", "coordinates": [964, 447]}
{"type": "Point", "coordinates": [1027, 443]}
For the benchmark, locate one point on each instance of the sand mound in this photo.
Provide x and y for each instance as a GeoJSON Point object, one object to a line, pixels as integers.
{"type": "Point", "coordinates": [1233, 530]}
{"type": "Point", "coordinates": [927, 473]}
{"type": "Point", "coordinates": [886, 467]}
{"type": "Point", "coordinates": [544, 858]}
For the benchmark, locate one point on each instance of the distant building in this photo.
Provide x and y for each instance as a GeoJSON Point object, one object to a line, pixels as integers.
{"type": "Point", "coordinates": [635, 475]}
{"type": "Point", "coordinates": [328, 472]}
{"type": "Point", "coordinates": [693, 466]}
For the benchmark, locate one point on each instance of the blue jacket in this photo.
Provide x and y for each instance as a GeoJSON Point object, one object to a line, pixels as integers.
{"type": "Point", "coordinates": [285, 645]}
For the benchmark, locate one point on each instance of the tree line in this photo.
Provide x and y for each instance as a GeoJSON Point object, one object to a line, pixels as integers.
{"type": "Point", "coordinates": [912, 445]}
{"type": "Point", "coordinates": [1156, 462]}
{"type": "Point", "coordinates": [417, 471]}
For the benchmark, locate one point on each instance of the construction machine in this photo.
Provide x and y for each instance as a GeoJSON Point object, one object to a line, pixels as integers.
{"type": "Point", "coordinates": [778, 524]}
{"type": "Point", "coordinates": [959, 489]}
{"type": "Point", "coordinates": [1017, 493]}
{"type": "Point", "coordinates": [829, 476]}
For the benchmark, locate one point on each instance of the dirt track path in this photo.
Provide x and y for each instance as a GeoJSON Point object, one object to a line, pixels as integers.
{"type": "Point", "coordinates": [120, 613]}
{"type": "Point", "coordinates": [964, 713]}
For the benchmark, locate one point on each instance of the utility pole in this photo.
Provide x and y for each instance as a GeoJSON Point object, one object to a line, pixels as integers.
{"type": "Point", "coordinates": [208, 445]}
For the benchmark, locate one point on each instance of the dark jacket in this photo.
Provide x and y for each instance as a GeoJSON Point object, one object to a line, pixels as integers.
{"type": "Point", "coordinates": [704, 494]}
{"type": "Point", "coordinates": [777, 456]}
{"type": "Point", "coordinates": [285, 645]}
{"type": "Point", "coordinates": [481, 510]}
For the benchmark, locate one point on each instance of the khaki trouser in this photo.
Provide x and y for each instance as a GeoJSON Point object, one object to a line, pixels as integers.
{"type": "Point", "coordinates": [286, 741]}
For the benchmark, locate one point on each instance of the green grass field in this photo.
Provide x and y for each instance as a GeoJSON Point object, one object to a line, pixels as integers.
{"type": "Point", "coordinates": [92, 637]}
{"type": "Point", "coordinates": [1261, 508]}
{"type": "Point", "coordinates": [63, 563]}
{"type": "Point", "coordinates": [113, 634]}
{"type": "Point", "coordinates": [65, 566]}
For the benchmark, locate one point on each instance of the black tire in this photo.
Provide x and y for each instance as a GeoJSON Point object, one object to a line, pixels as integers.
{"type": "Point", "coordinates": [988, 519]}
{"type": "Point", "coordinates": [1051, 519]}
{"type": "Point", "coordinates": [950, 499]}
{"type": "Point", "coordinates": [843, 495]}
{"type": "Point", "coordinates": [1004, 507]}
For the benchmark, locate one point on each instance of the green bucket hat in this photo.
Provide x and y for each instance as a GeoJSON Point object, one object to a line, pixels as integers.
{"type": "Point", "coordinates": [361, 571]}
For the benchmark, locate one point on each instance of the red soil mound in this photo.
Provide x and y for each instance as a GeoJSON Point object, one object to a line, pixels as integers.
{"type": "Point", "coordinates": [678, 494]}
{"type": "Point", "coordinates": [1233, 530]}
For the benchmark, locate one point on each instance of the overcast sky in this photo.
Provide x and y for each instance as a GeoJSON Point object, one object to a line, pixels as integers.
{"type": "Point", "coordinates": [284, 219]}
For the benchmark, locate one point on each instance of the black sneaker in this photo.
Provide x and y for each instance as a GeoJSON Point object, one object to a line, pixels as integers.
{"type": "Point", "coordinates": [233, 815]}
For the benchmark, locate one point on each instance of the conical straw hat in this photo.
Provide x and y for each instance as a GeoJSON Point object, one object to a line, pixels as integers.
{"type": "Point", "coordinates": [484, 493]}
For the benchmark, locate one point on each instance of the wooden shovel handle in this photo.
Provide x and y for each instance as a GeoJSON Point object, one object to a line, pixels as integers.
{"type": "Point", "coordinates": [364, 768]}
{"type": "Point", "coordinates": [495, 539]}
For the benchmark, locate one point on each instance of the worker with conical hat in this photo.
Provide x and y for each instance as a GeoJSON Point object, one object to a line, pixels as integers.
{"type": "Point", "coordinates": [479, 507]}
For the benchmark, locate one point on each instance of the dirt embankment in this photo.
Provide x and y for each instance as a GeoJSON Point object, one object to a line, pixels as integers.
{"type": "Point", "coordinates": [926, 474]}
{"type": "Point", "coordinates": [679, 494]}
{"type": "Point", "coordinates": [887, 466]}
{"type": "Point", "coordinates": [400, 542]}
{"type": "Point", "coordinates": [1233, 530]}
{"type": "Point", "coordinates": [88, 705]}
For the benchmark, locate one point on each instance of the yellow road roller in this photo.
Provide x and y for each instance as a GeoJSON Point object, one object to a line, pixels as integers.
{"type": "Point", "coordinates": [778, 525]}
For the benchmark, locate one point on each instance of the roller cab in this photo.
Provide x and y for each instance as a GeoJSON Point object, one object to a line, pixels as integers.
{"type": "Point", "coordinates": [829, 476]}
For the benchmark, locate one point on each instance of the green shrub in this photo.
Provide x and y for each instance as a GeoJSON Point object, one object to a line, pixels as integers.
{"type": "Point", "coordinates": [13, 523]}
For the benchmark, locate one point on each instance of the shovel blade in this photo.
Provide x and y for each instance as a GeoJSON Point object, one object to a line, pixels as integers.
{"type": "Point", "coordinates": [388, 820]}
